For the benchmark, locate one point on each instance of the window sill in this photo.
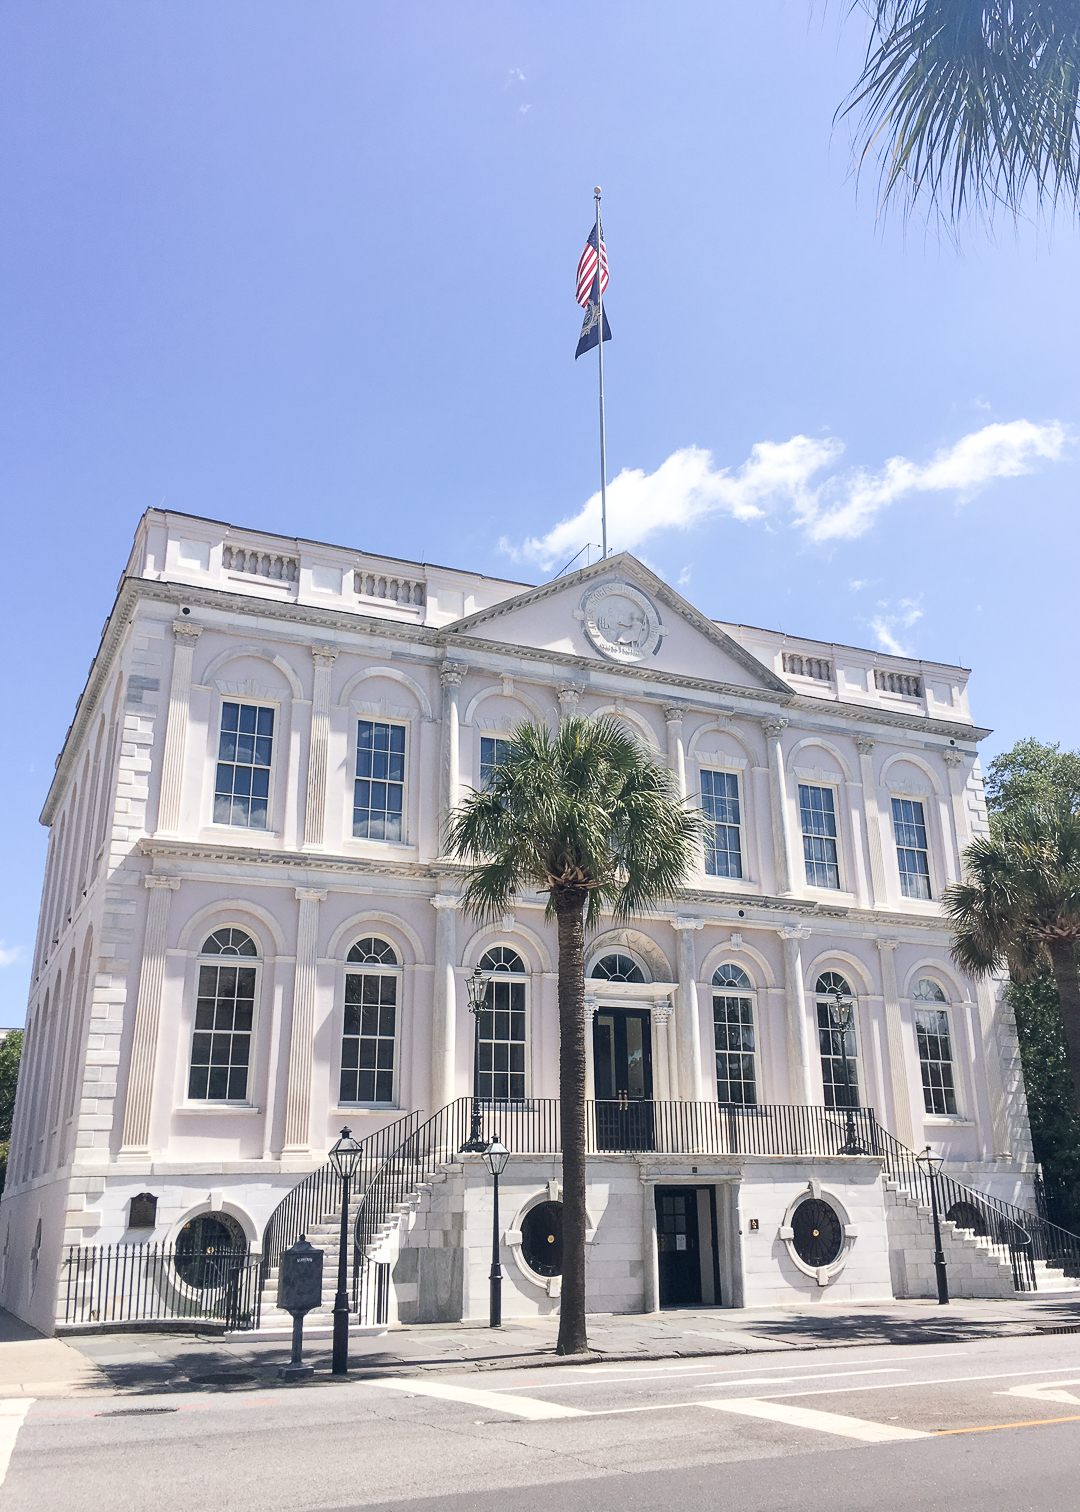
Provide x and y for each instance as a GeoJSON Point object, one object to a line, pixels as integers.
{"type": "Point", "coordinates": [829, 892]}
{"type": "Point", "coordinates": [359, 1107]}
{"type": "Point", "coordinates": [217, 1107]}
{"type": "Point", "coordinates": [947, 1121]}
{"type": "Point", "coordinates": [362, 843]}
{"type": "Point", "coordinates": [241, 829]}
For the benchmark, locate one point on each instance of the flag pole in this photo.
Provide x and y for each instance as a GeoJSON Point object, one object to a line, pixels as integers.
{"type": "Point", "coordinates": [600, 357]}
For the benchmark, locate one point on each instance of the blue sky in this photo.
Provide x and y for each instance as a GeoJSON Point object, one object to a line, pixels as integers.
{"type": "Point", "coordinates": [309, 266]}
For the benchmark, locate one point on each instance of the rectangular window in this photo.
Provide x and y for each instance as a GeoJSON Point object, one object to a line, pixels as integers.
{"type": "Point", "coordinates": [840, 1091]}
{"type": "Point", "coordinates": [221, 1043]}
{"type": "Point", "coordinates": [720, 802]}
{"type": "Point", "coordinates": [242, 788]}
{"type": "Point", "coordinates": [367, 1045]}
{"type": "Point", "coordinates": [501, 1069]}
{"type": "Point", "coordinates": [493, 749]}
{"type": "Point", "coordinates": [733, 1025]}
{"type": "Point", "coordinates": [935, 1060]}
{"type": "Point", "coordinates": [379, 792]}
{"type": "Point", "coordinates": [817, 810]}
{"type": "Point", "coordinates": [909, 826]}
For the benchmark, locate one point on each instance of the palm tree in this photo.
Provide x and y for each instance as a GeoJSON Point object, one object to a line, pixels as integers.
{"type": "Point", "coordinates": [974, 102]}
{"type": "Point", "coordinates": [589, 818]}
{"type": "Point", "coordinates": [1019, 906]}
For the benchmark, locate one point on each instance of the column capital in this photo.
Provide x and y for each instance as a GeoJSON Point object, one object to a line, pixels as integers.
{"type": "Point", "coordinates": [774, 725]}
{"type": "Point", "coordinates": [154, 880]}
{"type": "Point", "coordinates": [864, 744]}
{"type": "Point", "coordinates": [444, 900]}
{"type": "Point", "coordinates": [589, 1006]}
{"type": "Point", "coordinates": [662, 1010]}
{"type": "Point", "coordinates": [325, 656]}
{"type": "Point", "coordinates": [687, 923]}
{"type": "Point", "coordinates": [794, 931]}
{"type": "Point", "coordinates": [675, 713]}
{"type": "Point", "coordinates": [888, 944]}
{"type": "Point", "coordinates": [311, 894]}
{"type": "Point", "coordinates": [451, 674]}
{"type": "Point", "coordinates": [185, 631]}
{"type": "Point", "coordinates": [952, 758]}
{"type": "Point", "coordinates": [569, 695]}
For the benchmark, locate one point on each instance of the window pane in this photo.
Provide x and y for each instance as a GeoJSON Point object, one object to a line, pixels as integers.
{"type": "Point", "coordinates": [817, 812]}
{"type": "Point", "coordinates": [839, 1055]}
{"type": "Point", "coordinates": [720, 804]}
{"type": "Point", "coordinates": [912, 852]}
{"type": "Point", "coordinates": [935, 1060]}
{"type": "Point", "coordinates": [367, 1044]}
{"type": "Point", "coordinates": [501, 1069]}
{"type": "Point", "coordinates": [242, 783]}
{"type": "Point", "coordinates": [221, 1041]}
{"type": "Point", "coordinates": [733, 1025]}
{"type": "Point", "coordinates": [493, 750]}
{"type": "Point", "coordinates": [379, 789]}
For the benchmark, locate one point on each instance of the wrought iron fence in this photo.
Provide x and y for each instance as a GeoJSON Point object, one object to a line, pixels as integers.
{"type": "Point", "coordinates": [123, 1283]}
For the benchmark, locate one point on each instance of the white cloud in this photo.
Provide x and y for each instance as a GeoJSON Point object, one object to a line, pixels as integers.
{"type": "Point", "coordinates": [886, 626]}
{"type": "Point", "coordinates": [687, 488]}
{"type": "Point", "coordinates": [9, 954]}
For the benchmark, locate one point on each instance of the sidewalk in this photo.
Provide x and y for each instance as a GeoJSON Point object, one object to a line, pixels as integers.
{"type": "Point", "coordinates": [135, 1363]}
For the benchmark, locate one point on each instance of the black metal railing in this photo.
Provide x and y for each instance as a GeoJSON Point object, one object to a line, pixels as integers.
{"type": "Point", "coordinates": [125, 1283]}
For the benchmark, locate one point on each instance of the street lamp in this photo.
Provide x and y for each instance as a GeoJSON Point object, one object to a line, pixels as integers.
{"type": "Point", "coordinates": [841, 1017]}
{"type": "Point", "coordinates": [477, 988]}
{"type": "Point", "coordinates": [495, 1156]}
{"type": "Point", "coordinates": [932, 1164]}
{"type": "Point", "coordinates": [345, 1158]}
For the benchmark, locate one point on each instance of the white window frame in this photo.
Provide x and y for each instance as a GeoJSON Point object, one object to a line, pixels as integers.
{"type": "Point", "coordinates": [200, 958]}
{"type": "Point", "coordinates": [740, 790]}
{"type": "Point", "coordinates": [857, 1060]}
{"type": "Point", "coordinates": [840, 837]}
{"type": "Point", "coordinates": [358, 968]}
{"type": "Point", "coordinates": [481, 736]}
{"type": "Point", "coordinates": [927, 805]}
{"type": "Point", "coordinates": [717, 990]}
{"type": "Point", "coordinates": [272, 830]}
{"type": "Point", "coordinates": [958, 1078]}
{"type": "Point", "coordinates": [513, 976]}
{"type": "Point", "coordinates": [357, 716]}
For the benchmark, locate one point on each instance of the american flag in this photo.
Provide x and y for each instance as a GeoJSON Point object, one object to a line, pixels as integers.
{"type": "Point", "coordinates": [586, 268]}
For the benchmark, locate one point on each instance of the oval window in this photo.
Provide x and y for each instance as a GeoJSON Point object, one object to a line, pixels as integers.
{"type": "Point", "coordinates": [818, 1234]}
{"type": "Point", "coordinates": [541, 1239]}
{"type": "Point", "coordinates": [209, 1250]}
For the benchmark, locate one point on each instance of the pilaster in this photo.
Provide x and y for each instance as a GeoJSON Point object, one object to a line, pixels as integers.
{"type": "Point", "coordinates": [450, 676]}
{"type": "Point", "coordinates": [688, 1033]}
{"type": "Point", "coordinates": [865, 747]}
{"type": "Point", "coordinates": [901, 1091]}
{"type": "Point", "coordinates": [140, 1088]}
{"type": "Point", "coordinates": [444, 1006]}
{"type": "Point", "coordinates": [176, 728]}
{"type": "Point", "coordinates": [798, 1029]}
{"type": "Point", "coordinates": [673, 716]}
{"type": "Point", "coordinates": [301, 1037]}
{"type": "Point", "coordinates": [781, 826]}
{"type": "Point", "coordinates": [315, 807]}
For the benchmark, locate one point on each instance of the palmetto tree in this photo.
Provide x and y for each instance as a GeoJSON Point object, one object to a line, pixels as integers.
{"type": "Point", "coordinates": [1019, 906]}
{"type": "Point", "coordinates": [973, 102]}
{"type": "Point", "coordinates": [589, 818]}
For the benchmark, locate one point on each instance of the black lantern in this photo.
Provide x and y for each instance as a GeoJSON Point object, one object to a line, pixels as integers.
{"type": "Point", "coordinates": [931, 1164]}
{"type": "Point", "coordinates": [345, 1158]}
{"type": "Point", "coordinates": [841, 1018]}
{"type": "Point", "coordinates": [495, 1157]}
{"type": "Point", "coordinates": [477, 985]}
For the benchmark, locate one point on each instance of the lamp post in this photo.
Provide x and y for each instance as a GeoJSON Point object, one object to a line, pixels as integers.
{"type": "Point", "coordinates": [841, 1017]}
{"type": "Point", "coordinates": [932, 1164]}
{"type": "Point", "coordinates": [477, 987]}
{"type": "Point", "coordinates": [345, 1158]}
{"type": "Point", "coordinates": [495, 1155]}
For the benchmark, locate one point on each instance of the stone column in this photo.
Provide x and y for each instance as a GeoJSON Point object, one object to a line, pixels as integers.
{"type": "Point", "coordinates": [898, 1080]}
{"type": "Point", "coordinates": [689, 1026]}
{"type": "Point", "coordinates": [774, 728]}
{"type": "Point", "coordinates": [954, 762]}
{"type": "Point", "coordinates": [444, 1006]}
{"type": "Point", "coordinates": [649, 1253]}
{"type": "Point", "coordinates": [591, 1005]}
{"type": "Point", "coordinates": [798, 1030]}
{"type": "Point", "coordinates": [450, 755]}
{"type": "Point", "coordinates": [865, 747]}
{"type": "Point", "coordinates": [176, 728]}
{"type": "Point", "coordinates": [569, 698]}
{"type": "Point", "coordinates": [140, 1088]}
{"type": "Point", "coordinates": [673, 714]}
{"type": "Point", "coordinates": [315, 808]}
{"type": "Point", "coordinates": [302, 1033]}
{"type": "Point", "coordinates": [662, 1012]}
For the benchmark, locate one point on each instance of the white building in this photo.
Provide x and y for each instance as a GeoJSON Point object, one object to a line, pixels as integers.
{"type": "Point", "coordinates": [248, 936]}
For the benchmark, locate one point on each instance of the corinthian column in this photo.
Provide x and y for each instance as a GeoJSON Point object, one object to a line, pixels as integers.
{"type": "Point", "coordinates": [315, 810]}
{"type": "Point", "coordinates": [688, 1033]}
{"type": "Point", "coordinates": [569, 699]}
{"type": "Point", "coordinates": [450, 757]}
{"type": "Point", "coordinates": [140, 1088]}
{"type": "Point", "coordinates": [302, 1034]}
{"type": "Point", "coordinates": [901, 1093]}
{"type": "Point", "coordinates": [798, 1030]}
{"type": "Point", "coordinates": [673, 715]}
{"type": "Point", "coordinates": [444, 1006]}
{"type": "Point", "coordinates": [954, 762]}
{"type": "Point", "coordinates": [781, 824]}
{"type": "Point", "coordinates": [865, 746]}
{"type": "Point", "coordinates": [176, 727]}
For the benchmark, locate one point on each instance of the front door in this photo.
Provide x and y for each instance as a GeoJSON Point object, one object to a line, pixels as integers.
{"type": "Point", "coordinates": [622, 1062]}
{"type": "Point", "coordinates": [678, 1246]}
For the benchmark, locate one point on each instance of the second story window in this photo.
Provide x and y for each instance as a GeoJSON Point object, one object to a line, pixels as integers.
{"type": "Point", "coordinates": [221, 1041]}
{"type": "Point", "coordinates": [242, 786]}
{"type": "Point", "coordinates": [935, 1049]}
{"type": "Point", "coordinates": [369, 1028]}
{"type": "Point", "coordinates": [493, 750]}
{"type": "Point", "coordinates": [733, 1027]}
{"type": "Point", "coordinates": [817, 811]}
{"type": "Point", "coordinates": [720, 802]}
{"type": "Point", "coordinates": [912, 852]}
{"type": "Point", "coordinates": [839, 1049]}
{"type": "Point", "coordinates": [500, 1070]}
{"type": "Point", "coordinates": [379, 791]}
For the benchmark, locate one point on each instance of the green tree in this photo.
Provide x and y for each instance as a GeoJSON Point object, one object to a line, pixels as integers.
{"type": "Point", "coordinates": [589, 818]}
{"type": "Point", "coordinates": [1031, 773]}
{"type": "Point", "coordinates": [1055, 1122]}
{"type": "Point", "coordinates": [972, 103]}
{"type": "Point", "coordinates": [10, 1055]}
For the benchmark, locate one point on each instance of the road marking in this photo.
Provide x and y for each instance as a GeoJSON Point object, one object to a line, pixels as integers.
{"type": "Point", "coordinates": [13, 1412]}
{"type": "Point", "coordinates": [524, 1407]}
{"type": "Point", "coordinates": [772, 1380]}
{"type": "Point", "coordinates": [997, 1375]}
{"type": "Point", "coordinates": [823, 1422]}
{"type": "Point", "coordinates": [993, 1427]}
{"type": "Point", "coordinates": [1048, 1391]}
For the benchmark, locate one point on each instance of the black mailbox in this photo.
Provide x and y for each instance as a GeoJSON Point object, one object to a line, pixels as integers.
{"type": "Point", "coordinates": [300, 1278]}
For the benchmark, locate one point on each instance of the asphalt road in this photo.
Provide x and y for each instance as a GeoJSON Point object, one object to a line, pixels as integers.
{"type": "Point", "coordinates": [992, 1426]}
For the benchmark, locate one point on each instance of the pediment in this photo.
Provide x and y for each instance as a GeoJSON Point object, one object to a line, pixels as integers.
{"type": "Point", "coordinates": [619, 614]}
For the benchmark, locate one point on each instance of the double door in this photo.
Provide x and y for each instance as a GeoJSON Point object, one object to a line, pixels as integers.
{"type": "Point", "coordinates": [686, 1244]}
{"type": "Point", "coordinates": [622, 1068]}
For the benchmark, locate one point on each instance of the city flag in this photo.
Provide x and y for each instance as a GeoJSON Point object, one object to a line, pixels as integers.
{"type": "Point", "coordinates": [592, 280]}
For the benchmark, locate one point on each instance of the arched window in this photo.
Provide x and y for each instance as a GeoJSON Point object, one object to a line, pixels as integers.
{"type": "Point", "coordinates": [224, 1011]}
{"type": "Point", "coordinates": [839, 1046]}
{"type": "Point", "coordinates": [618, 968]}
{"type": "Point", "coordinates": [210, 1250]}
{"type": "Point", "coordinates": [541, 1238]}
{"type": "Point", "coordinates": [733, 1029]}
{"type": "Point", "coordinates": [369, 1032]}
{"type": "Point", "coordinates": [502, 1029]}
{"type": "Point", "coordinates": [935, 1047]}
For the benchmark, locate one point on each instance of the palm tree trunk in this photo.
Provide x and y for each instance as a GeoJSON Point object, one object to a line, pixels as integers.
{"type": "Point", "coordinates": [1063, 963]}
{"type": "Point", "coordinates": [569, 913]}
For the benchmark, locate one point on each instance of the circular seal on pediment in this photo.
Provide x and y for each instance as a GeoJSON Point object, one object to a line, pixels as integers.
{"type": "Point", "coordinates": [621, 622]}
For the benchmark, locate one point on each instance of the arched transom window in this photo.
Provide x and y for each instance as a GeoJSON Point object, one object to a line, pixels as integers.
{"type": "Point", "coordinates": [224, 1011]}
{"type": "Point", "coordinates": [733, 1028]}
{"type": "Point", "coordinates": [618, 968]}
{"type": "Point", "coordinates": [369, 1030]}
{"type": "Point", "coordinates": [935, 1047]}
{"type": "Point", "coordinates": [839, 1047]}
{"type": "Point", "coordinates": [502, 1028]}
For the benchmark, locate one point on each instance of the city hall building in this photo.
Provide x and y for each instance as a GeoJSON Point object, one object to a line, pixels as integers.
{"type": "Point", "coordinates": [250, 937]}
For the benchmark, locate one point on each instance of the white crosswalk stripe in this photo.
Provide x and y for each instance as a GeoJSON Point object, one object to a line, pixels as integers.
{"type": "Point", "coordinates": [13, 1412]}
{"type": "Point", "coordinates": [515, 1406]}
{"type": "Point", "coordinates": [824, 1422]}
